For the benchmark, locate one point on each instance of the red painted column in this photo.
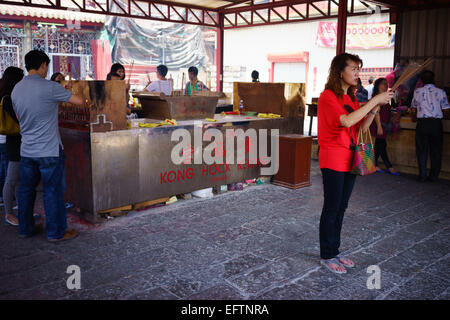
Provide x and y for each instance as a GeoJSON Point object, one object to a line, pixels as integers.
{"type": "Point", "coordinates": [101, 58]}
{"type": "Point", "coordinates": [219, 55]}
{"type": "Point", "coordinates": [341, 27]}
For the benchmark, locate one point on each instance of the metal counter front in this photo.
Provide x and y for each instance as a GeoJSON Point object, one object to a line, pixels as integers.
{"type": "Point", "coordinates": [107, 170]}
{"type": "Point", "coordinates": [110, 164]}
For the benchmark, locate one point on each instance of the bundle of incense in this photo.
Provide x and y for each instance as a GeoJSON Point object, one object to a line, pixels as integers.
{"type": "Point", "coordinates": [410, 72]}
{"type": "Point", "coordinates": [69, 70]}
{"type": "Point", "coordinates": [76, 72]}
{"type": "Point", "coordinates": [171, 85]}
{"type": "Point", "coordinates": [149, 81]}
{"type": "Point", "coordinates": [131, 71]}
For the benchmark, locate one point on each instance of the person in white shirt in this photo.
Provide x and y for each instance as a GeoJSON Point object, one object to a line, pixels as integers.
{"type": "Point", "coordinates": [162, 84]}
{"type": "Point", "coordinates": [430, 103]}
{"type": "Point", "coordinates": [369, 88]}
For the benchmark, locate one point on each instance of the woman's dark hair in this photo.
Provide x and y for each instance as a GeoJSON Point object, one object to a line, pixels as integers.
{"type": "Point", "coordinates": [10, 78]}
{"type": "Point", "coordinates": [34, 59]}
{"type": "Point", "coordinates": [360, 82]}
{"type": "Point", "coordinates": [376, 86]}
{"type": "Point", "coordinates": [194, 70]}
{"type": "Point", "coordinates": [162, 69]}
{"type": "Point", "coordinates": [55, 75]}
{"type": "Point", "coordinates": [338, 65]}
{"type": "Point", "coordinates": [255, 75]}
{"type": "Point", "coordinates": [117, 66]}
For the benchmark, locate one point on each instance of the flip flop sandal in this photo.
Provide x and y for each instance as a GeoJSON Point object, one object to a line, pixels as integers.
{"type": "Point", "coordinates": [393, 173]}
{"type": "Point", "coordinates": [68, 205]}
{"type": "Point", "coordinates": [11, 223]}
{"type": "Point", "coordinates": [346, 262]}
{"type": "Point", "coordinates": [328, 262]}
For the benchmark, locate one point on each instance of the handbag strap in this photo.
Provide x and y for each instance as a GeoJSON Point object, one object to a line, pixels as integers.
{"type": "Point", "coordinates": [370, 136]}
{"type": "Point", "coordinates": [359, 139]}
{"type": "Point", "coordinates": [361, 136]}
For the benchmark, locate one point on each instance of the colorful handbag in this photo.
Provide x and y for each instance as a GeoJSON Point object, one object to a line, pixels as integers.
{"type": "Point", "coordinates": [364, 156]}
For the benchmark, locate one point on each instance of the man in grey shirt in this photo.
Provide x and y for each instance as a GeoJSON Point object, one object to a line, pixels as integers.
{"type": "Point", "coordinates": [35, 101]}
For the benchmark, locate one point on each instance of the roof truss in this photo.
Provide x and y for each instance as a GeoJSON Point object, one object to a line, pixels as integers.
{"type": "Point", "coordinates": [235, 13]}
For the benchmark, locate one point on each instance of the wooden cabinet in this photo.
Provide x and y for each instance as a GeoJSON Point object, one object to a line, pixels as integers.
{"type": "Point", "coordinates": [294, 161]}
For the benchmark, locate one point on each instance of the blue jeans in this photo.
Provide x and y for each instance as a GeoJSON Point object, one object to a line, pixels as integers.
{"type": "Point", "coordinates": [337, 189]}
{"type": "Point", "coordinates": [3, 166]}
{"type": "Point", "coordinates": [51, 169]}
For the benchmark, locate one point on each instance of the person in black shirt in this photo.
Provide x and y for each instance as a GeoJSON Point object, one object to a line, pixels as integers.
{"type": "Point", "coordinates": [57, 77]}
{"type": "Point", "coordinates": [255, 76]}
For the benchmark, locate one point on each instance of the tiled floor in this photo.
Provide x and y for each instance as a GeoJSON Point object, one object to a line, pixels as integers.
{"type": "Point", "coordinates": [260, 243]}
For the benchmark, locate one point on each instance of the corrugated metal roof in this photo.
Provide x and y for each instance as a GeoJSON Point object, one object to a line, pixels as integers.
{"type": "Point", "coordinates": [424, 35]}
{"type": "Point", "coordinates": [66, 15]}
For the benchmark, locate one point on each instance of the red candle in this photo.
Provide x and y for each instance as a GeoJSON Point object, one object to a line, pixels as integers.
{"type": "Point", "coordinates": [69, 68]}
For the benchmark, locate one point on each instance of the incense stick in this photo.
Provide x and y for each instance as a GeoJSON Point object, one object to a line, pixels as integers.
{"type": "Point", "coordinates": [182, 84]}
{"type": "Point", "coordinates": [131, 71]}
{"type": "Point", "coordinates": [69, 69]}
{"type": "Point", "coordinates": [148, 77]}
{"type": "Point", "coordinates": [410, 72]}
{"type": "Point", "coordinates": [409, 69]}
{"type": "Point", "coordinates": [76, 71]}
{"type": "Point", "coordinates": [171, 85]}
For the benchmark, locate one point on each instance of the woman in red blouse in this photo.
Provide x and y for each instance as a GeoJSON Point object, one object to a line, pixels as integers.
{"type": "Point", "coordinates": [339, 119]}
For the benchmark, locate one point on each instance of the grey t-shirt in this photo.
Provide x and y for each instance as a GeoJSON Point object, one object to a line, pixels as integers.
{"type": "Point", "coordinates": [35, 101]}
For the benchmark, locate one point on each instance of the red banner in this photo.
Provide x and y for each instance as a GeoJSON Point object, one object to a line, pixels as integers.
{"type": "Point", "coordinates": [359, 35]}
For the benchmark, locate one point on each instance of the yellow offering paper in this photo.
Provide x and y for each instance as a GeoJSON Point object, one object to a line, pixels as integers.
{"type": "Point", "coordinates": [149, 125]}
{"type": "Point", "coordinates": [268, 115]}
{"type": "Point", "coordinates": [169, 122]}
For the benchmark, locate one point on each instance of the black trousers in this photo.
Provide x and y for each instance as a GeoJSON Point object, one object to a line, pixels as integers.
{"type": "Point", "coordinates": [337, 189]}
{"type": "Point", "coordinates": [380, 150]}
{"type": "Point", "coordinates": [429, 137]}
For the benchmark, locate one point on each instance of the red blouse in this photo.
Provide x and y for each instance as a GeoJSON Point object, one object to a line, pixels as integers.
{"type": "Point", "coordinates": [335, 141]}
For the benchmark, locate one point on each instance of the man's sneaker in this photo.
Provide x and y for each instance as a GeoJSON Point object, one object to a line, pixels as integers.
{"type": "Point", "coordinates": [69, 235]}
{"type": "Point", "coordinates": [11, 222]}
